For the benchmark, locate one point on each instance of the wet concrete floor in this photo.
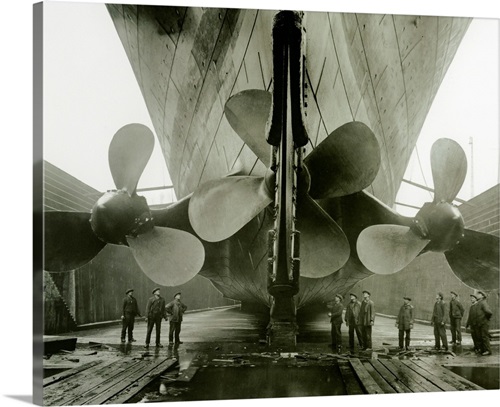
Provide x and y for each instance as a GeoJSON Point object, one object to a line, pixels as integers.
{"type": "Point", "coordinates": [224, 356]}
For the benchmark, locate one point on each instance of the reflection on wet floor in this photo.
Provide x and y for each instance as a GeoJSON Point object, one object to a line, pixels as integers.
{"type": "Point", "coordinates": [487, 377]}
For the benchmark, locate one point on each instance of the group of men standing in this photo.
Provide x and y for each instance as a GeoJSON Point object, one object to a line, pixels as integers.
{"type": "Point", "coordinates": [156, 310]}
{"type": "Point", "coordinates": [360, 318]}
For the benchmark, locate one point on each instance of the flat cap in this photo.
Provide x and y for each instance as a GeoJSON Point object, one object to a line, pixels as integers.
{"type": "Point", "coordinates": [472, 295]}
{"type": "Point", "coordinates": [407, 298]}
{"type": "Point", "coordinates": [482, 293]}
{"type": "Point", "coordinates": [176, 294]}
{"type": "Point", "coordinates": [339, 296]}
{"type": "Point", "coordinates": [454, 293]}
{"type": "Point", "coordinates": [129, 290]}
{"type": "Point", "coordinates": [366, 291]}
{"type": "Point", "coordinates": [156, 289]}
{"type": "Point", "coordinates": [353, 295]}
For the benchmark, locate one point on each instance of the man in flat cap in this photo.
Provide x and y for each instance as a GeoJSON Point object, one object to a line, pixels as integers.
{"type": "Point", "coordinates": [155, 311]}
{"type": "Point", "coordinates": [175, 309]}
{"type": "Point", "coordinates": [472, 323]}
{"type": "Point", "coordinates": [483, 322]}
{"type": "Point", "coordinates": [456, 313]}
{"type": "Point", "coordinates": [366, 320]}
{"type": "Point", "coordinates": [404, 323]}
{"type": "Point", "coordinates": [336, 320]}
{"type": "Point", "coordinates": [439, 320]}
{"type": "Point", "coordinates": [351, 320]}
{"type": "Point", "coordinates": [129, 311]}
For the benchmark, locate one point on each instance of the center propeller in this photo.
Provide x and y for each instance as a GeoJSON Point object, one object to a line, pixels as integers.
{"type": "Point", "coordinates": [122, 217]}
{"type": "Point", "coordinates": [437, 227]}
{"type": "Point", "coordinates": [345, 162]}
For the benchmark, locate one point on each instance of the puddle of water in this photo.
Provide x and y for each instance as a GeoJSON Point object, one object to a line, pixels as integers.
{"type": "Point", "coordinates": [486, 377]}
{"type": "Point", "coordinates": [265, 381]}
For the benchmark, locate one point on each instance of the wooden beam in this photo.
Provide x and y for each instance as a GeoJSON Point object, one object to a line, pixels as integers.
{"type": "Point", "coordinates": [389, 377]}
{"type": "Point", "coordinates": [429, 376]}
{"type": "Point", "coordinates": [352, 385]}
{"type": "Point", "coordinates": [386, 387]}
{"type": "Point", "coordinates": [367, 381]}
{"type": "Point", "coordinates": [61, 376]}
{"type": "Point", "coordinates": [135, 387]}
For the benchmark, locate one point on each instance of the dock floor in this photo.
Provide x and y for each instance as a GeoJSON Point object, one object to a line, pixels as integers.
{"type": "Point", "coordinates": [223, 356]}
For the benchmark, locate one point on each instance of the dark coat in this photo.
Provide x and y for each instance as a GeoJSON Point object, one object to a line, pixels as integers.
{"type": "Point", "coordinates": [439, 313]}
{"type": "Point", "coordinates": [472, 320]}
{"type": "Point", "coordinates": [175, 309]}
{"type": "Point", "coordinates": [456, 309]}
{"type": "Point", "coordinates": [483, 312]}
{"type": "Point", "coordinates": [130, 307]}
{"type": "Point", "coordinates": [366, 313]}
{"type": "Point", "coordinates": [405, 317]}
{"type": "Point", "coordinates": [352, 313]}
{"type": "Point", "coordinates": [155, 308]}
{"type": "Point", "coordinates": [336, 312]}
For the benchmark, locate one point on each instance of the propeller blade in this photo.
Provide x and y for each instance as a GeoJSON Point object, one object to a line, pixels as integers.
{"type": "Point", "coordinates": [69, 242]}
{"type": "Point", "coordinates": [219, 208]}
{"type": "Point", "coordinates": [347, 161]}
{"type": "Point", "coordinates": [169, 257]}
{"type": "Point", "coordinates": [475, 260]}
{"type": "Point", "coordinates": [449, 167]}
{"type": "Point", "coordinates": [247, 113]}
{"type": "Point", "coordinates": [323, 246]}
{"type": "Point", "coordinates": [128, 154]}
{"type": "Point", "coordinates": [386, 249]}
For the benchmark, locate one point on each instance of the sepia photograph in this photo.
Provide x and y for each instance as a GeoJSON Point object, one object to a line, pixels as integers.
{"type": "Point", "coordinates": [239, 203]}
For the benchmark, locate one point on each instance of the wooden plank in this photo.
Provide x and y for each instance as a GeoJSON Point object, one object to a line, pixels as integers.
{"type": "Point", "coordinates": [73, 387]}
{"type": "Point", "coordinates": [108, 387]}
{"type": "Point", "coordinates": [188, 374]}
{"type": "Point", "coordinates": [128, 379]}
{"type": "Point", "coordinates": [394, 381]}
{"type": "Point", "coordinates": [386, 387]}
{"type": "Point", "coordinates": [51, 394]}
{"type": "Point", "coordinates": [63, 375]}
{"type": "Point", "coordinates": [402, 376]}
{"type": "Point", "coordinates": [367, 381]}
{"type": "Point", "coordinates": [352, 385]}
{"type": "Point", "coordinates": [137, 386]}
{"type": "Point", "coordinates": [431, 377]}
{"type": "Point", "coordinates": [455, 380]}
{"type": "Point", "coordinates": [422, 381]}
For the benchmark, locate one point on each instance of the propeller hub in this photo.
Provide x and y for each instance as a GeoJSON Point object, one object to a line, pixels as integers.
{"type": "Point", "coordinates": [116, 215]}
{"type": "Point", "coordinates": [441, 223]}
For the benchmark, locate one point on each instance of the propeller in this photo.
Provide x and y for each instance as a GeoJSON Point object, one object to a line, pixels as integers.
{"type": "Point", "coordinates": [345, 162]}
{"type": "Point", "coordinates": [122, 217]}
{"type": "Point", "coordinates": [437, 227]}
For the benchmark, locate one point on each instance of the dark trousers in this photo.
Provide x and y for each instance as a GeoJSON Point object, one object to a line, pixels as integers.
{"type": "Point", "coordinates": [174, 331]}
{"type": "Point", "coordinates": [353, 328]}
{"type": "Point", "coordinates": [475, 332]}
{"type": "Point", "coordinates": [440, 334]}
{"type": "Point", "coordinates": [455, 325]}
{"type": "Point", "coordinates": [128, 324]}
{"type": "Point", "coordinates": [336, 336]}
{"type": "Point", "coordinates": [402, 338]}
{"type": "Point", "coordinates": [366, 334]}
{"type": "Point", "coordinates": [152, 322]}
{"type": "Point", "coordinates": [483, 331]}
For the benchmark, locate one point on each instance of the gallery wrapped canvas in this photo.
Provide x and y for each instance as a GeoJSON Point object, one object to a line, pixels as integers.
{"type": "Point", "coordinates": [238, 203]}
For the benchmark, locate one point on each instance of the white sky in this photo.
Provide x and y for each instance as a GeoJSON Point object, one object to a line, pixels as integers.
{"type": "Point", "coordinates": [91, 92]}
